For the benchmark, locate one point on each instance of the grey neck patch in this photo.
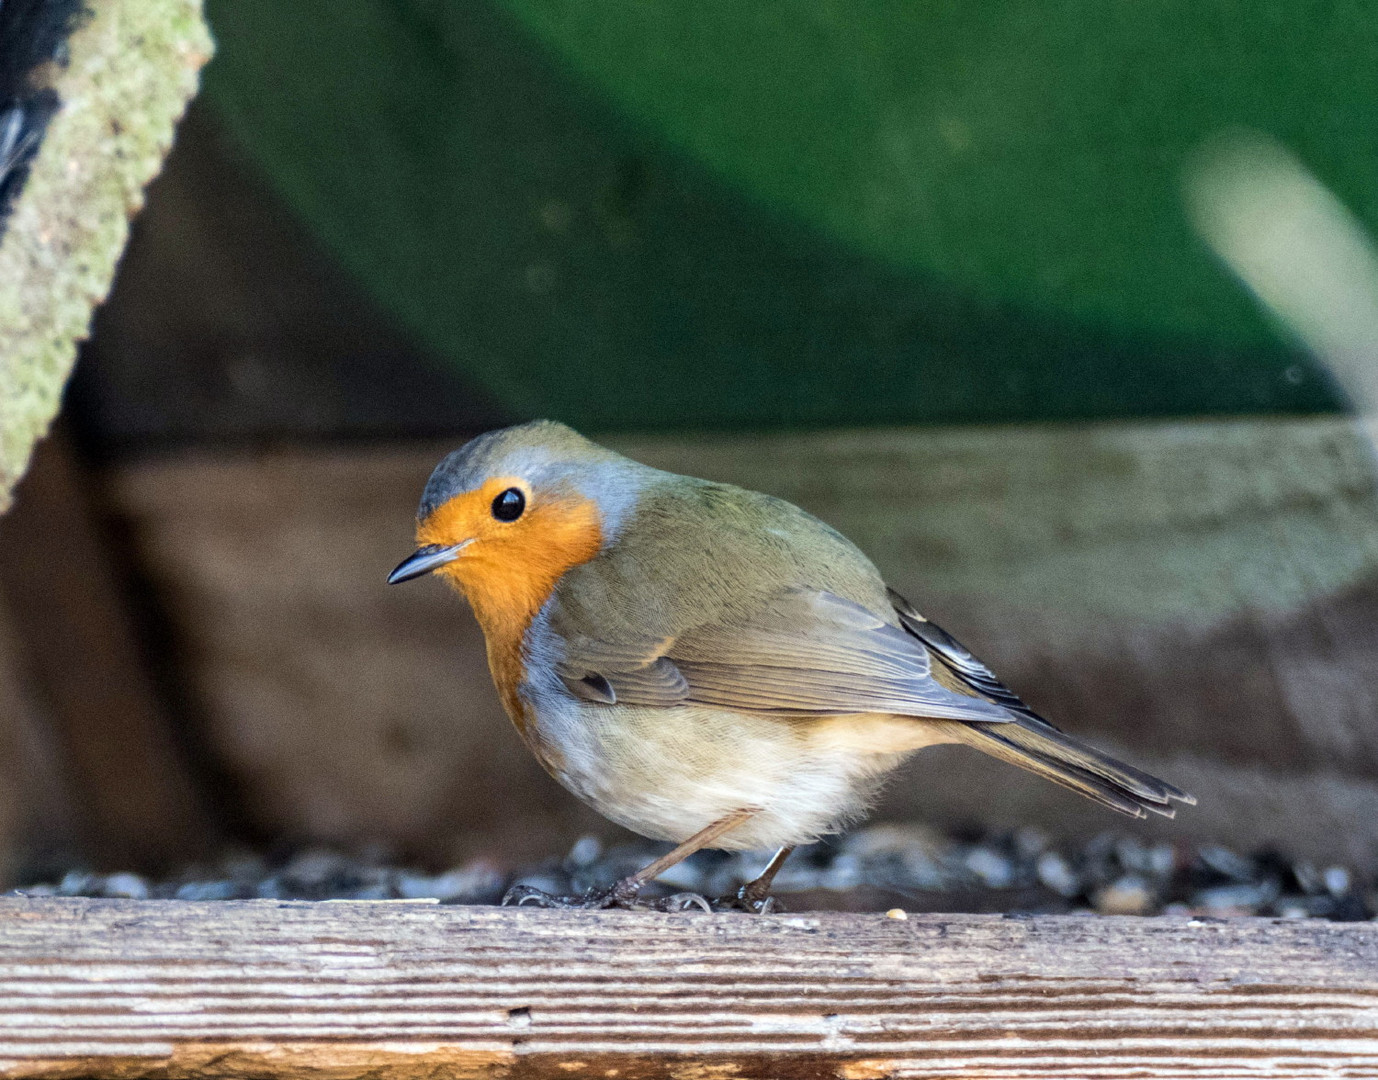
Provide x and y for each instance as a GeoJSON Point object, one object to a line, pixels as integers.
{"type": "Point", "coordinates": [615, 488]}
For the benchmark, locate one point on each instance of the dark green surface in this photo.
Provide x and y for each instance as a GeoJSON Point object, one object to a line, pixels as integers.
{"type": "Point", "coordinates": [647, 214]}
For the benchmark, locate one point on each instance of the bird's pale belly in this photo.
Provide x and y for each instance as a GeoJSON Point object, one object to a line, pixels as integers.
{"type": "Point", "coordinates": [666, 773]}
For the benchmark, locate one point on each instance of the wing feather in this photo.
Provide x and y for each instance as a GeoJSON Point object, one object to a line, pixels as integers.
{"type": "Point", "coordinates": [958, 659]}
{"type": "Point", "coordinates": [805, 652]}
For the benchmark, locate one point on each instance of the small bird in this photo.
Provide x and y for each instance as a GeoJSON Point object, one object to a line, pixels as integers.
{"type": "Point", "coordinates": [708, 665]}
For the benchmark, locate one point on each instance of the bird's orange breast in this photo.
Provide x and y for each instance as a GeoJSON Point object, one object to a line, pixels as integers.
{"type": "Point", "coordinates": [509, 571]}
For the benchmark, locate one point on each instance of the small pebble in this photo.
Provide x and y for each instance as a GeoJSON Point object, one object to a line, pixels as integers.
{"type": "Point", "coordinates": [1057, 874]}
{"type": "Point", "coordinates": [272, 888]}
{"type": "Point", "coordinates": [846, 871]}
{"type": "Point", "coordinates": [1237, 899]}
{"type": "Point", "coordinates": [77, 883]}
{"type": "Point", "coordinates": [1336, 880]}
{"type": "Point", "coordinates": [1131, 855]}
{"type": "Point", "coordinates": [1130, 895]}
{"type": "Point", "coordinates": [315, 867]}
{"type": "Point", "coordinates": [686, 877]}
{"type": "Point", "coordinates": [1161, 859]}
{"type": "Point", "coordinates": [993, 869]}
{"type": "Point", "coordinates": [125, 887]}
{"type": "Point", "coordinates": [1228, 864]}
{"type": "Point", "coordinates": [1030, 842]}
{"type": "Point", "coordinates": [585, 851]}
{"type": "Point", "coordinates": [1309, 879]}
{"type": "Point", "coordinates": [242, 866]}
{"type": "Point", "coordinates": [897, 913]}
{"type": "Point", "coordinates": [476, 883]}
{"type": "Point", "coordinates": [206, 890]}
{"type": "Point", "coordinates": [1110, 873]}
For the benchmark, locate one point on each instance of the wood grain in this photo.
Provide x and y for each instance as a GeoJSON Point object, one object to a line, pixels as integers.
{"type": "Point", "coordinates": [276, 989]}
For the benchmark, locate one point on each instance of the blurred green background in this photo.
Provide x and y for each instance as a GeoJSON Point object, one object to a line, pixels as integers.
{"type": "Point", "coordinates": [658, 214]}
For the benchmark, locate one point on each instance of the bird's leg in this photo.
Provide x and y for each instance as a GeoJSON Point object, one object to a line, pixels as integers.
{"type": "Point", "coordinates": [755, 896]}
{"type": "Point", "coordinates": [623, 894]}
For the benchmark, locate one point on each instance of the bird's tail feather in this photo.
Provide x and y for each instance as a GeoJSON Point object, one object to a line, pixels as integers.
{"type": "Point", "coordinates": [1043, 749]}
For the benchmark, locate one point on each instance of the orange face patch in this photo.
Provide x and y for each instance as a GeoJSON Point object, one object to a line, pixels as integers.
{"type": "Point", "coordinates": [509, 570]}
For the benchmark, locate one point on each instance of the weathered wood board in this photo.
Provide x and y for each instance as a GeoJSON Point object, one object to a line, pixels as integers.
{"type": "Point", "coordinates": [283, 990]}
{"type": "Point", "coordinates": [1201, 597]}
{"type": "Point", "coordinates": [131, 800]}
{"type": "Point", "coordinates": [16, 721]}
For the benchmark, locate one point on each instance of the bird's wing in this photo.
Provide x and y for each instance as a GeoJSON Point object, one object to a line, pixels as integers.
{"type": "Point", "coordinates": [803, 651]}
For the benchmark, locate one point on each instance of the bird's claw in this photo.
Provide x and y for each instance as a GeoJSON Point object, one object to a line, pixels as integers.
{"type": "Point", "coordinates": [741, 900]}
{"type": "Point", "coordinates": [684, 901]}
{"type": "Point", "coordinates": [625, 895]}
{"type": "Point", "coordinates": [621, 895]}
{"type": "Point", "coordinates": [748, 900]}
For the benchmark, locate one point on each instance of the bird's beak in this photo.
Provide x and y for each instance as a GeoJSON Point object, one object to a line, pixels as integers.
{"type": "Point", "coordinates": [425, 559]}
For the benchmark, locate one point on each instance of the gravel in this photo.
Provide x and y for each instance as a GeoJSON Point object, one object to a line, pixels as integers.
{"type": "Point", "coordinates": [883, 867]}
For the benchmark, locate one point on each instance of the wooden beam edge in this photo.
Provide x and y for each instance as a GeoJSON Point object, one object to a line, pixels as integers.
{"type": "Point", "coordinates": [275, 989]}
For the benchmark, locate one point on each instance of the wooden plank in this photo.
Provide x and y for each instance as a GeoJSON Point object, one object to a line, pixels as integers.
{"type": "Point", "coordinates": [37, 826]}
{"type": "Point", "coordinates": [15, 720]}
{"type": "Point", "coordinates": [1200, 597]}
{"type": "Point", "coordinates": [134, 799]}
{"type": "Point", "coordinates": [276, 990]}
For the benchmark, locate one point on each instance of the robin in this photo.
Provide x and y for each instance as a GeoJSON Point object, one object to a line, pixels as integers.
{"type": "Point", "coordinates": [707, 665]}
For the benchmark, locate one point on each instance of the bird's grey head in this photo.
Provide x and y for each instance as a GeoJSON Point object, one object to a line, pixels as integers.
{"type": "Point", "coordinates": [547, 455]}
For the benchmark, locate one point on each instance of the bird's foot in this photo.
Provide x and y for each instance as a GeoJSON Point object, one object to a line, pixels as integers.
{"type": "Point", "coordinates": [626, 894]}
{"type": "Point", "coordinates": [752, 901]}
{"type": "Point", "coordinates": [685, 901]}
{"type": "Point", "coordinates": [623, 894]}
{"type": "Point", "coordinates": [741, 900]}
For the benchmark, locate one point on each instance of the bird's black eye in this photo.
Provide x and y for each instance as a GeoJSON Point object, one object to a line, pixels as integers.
{"type": "Point", "coordinates": [509, 505]}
